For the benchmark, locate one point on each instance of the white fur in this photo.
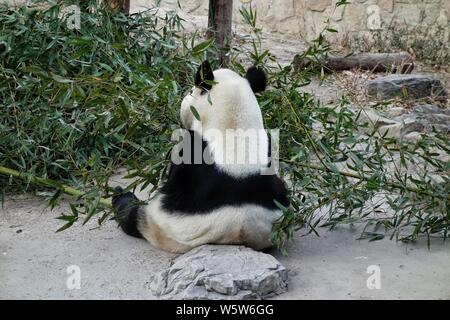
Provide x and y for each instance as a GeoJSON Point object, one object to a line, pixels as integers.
{"type": "Point", "coordinates": [249, 225]}
{"type": "Point", "coordinates": [232, 106]}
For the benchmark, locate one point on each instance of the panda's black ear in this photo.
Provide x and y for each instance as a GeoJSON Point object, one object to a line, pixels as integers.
{"type": "Point", "coordinates": [204, 75]}
{"type": "Point", "coordinates": [257, 79]}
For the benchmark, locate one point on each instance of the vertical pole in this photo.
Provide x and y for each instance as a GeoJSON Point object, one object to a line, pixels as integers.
{"type": "Point", "coordinates": [219, 25]}
{"type": "Point", "coordinates": [126, 7]}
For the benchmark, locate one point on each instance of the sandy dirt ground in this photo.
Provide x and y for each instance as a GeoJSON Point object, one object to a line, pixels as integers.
{"type": "Point", "coordinates": [34, 259]}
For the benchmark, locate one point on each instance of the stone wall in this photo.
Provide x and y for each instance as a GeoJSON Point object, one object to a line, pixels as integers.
{"type": "Point", "coordinates": [306, 18]}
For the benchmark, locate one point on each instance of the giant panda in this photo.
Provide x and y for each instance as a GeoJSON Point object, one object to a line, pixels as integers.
{"type": "Point", "coordinates": [213, 201]}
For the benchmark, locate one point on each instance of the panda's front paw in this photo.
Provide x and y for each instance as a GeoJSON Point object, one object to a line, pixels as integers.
{"type": "Point", "coordinates": [123, 201]}
{"type": "Point", "coordinates": [126, 206]}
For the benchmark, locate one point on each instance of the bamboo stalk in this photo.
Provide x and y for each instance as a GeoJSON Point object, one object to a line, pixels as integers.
{"type": "Point", "coordinates": [50, 183]}
{"type": "Point", "coordinates": [357, 176]}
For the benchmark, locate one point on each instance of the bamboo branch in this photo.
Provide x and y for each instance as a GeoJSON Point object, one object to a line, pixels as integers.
{"type": "Point", "coordinates": [362, 177]}
{"type": "Point", "coordinates": [50, 183]}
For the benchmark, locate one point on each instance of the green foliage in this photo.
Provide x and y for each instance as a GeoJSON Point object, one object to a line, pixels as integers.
{"type": "Point", "coordinates": [78, 104]}
{"type": "Point", "coordinates": [339, 175]}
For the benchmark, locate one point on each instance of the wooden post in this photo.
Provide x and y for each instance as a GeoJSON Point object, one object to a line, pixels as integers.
{"type": "Point", "coordinates": [126, 7]}
{"type": "Point", "coordinates": [219, 26]}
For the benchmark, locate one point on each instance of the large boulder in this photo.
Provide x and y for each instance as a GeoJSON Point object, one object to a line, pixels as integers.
{"type": "Point", "coordinates": [222, 272]}
{"type": "Point", "coordinates": [411, 86]}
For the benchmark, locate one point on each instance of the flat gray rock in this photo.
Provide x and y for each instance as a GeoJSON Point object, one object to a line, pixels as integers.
{"type": "Point", "coordinates": [425, 118]}
{"type": "Point", "coordinates": [224, 272]}
{"type": "Point", "coordinates": [410, 86]}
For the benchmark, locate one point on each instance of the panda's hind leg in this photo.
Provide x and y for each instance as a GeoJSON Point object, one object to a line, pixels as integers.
{"type": "Point", "coordinates": [127, 210]}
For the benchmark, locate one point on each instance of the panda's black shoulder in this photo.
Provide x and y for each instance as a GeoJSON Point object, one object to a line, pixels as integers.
{"type": "Point", "coordinates": [201, 188]}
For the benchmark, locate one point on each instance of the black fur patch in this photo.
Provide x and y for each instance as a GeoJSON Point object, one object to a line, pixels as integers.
{"type": "Point", "coordinates": [257, 79]}
{"type": "Point", "coordinates": [126, 206]}
{"type": "Point", "coordinates": [201, 188]}
{"type": "Point", "coordinates": [204, 74]}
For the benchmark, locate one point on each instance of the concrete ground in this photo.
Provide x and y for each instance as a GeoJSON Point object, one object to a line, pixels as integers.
{"type": "Point", "coordinates": [34, 261]}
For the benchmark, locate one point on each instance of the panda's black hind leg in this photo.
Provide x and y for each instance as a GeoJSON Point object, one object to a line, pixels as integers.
{"type": "Point", "coordinates": [126, 206]}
